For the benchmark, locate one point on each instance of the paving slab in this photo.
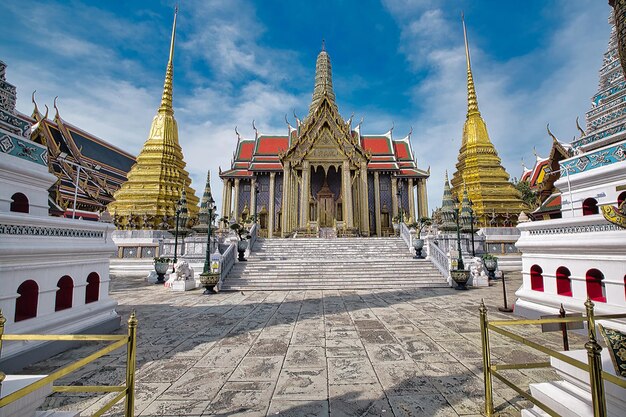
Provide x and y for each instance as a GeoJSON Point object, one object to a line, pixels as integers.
{"type": "Point", "coordinates": [390, 352]}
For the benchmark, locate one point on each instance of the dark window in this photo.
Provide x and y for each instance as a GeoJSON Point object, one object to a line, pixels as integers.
{"type": "Point", "coordinates": [590, 206]}
{"type": "Point", "coordinates": [563, 282]}
{"type": "Point", "coordinates": [65, 293]}
{"type": "Point", "coordinates": [536, 278]}
{"type": "Point", "coordinates": [26, 303]}
{"type": "Point", "coordinates": [595, 286]}
{"type": "Point", "coordinates": [621, 198]}
{"type": "Point", "coordinates": [19, 203]}
{"type": "Point", "coordinates": [92, 292]}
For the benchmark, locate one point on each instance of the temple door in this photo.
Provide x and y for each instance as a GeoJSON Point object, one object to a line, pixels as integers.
{"type": "Point", "coordinates": [326, 206]}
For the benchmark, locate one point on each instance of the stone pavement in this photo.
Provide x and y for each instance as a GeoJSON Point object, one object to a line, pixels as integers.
{"type": "Point", "coordinates": [408, 352]}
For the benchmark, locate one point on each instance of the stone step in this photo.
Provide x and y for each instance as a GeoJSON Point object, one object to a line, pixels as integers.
{"type": "Point", "coordinates": [319, 264]}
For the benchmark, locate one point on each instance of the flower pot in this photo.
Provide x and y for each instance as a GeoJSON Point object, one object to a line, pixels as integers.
{"type": "Point", "coordinates": [418, 245]}
{"type": "Point", "coordinates": [460, 277]}
{"type": "Point", "coordinates": [161, 269]}
{"type": "Point", "coordinates": [491, 265]}
{"type": "Point", "coordinates": [209, 281]}
{"type": "Point", "coordinates": [242, 245]}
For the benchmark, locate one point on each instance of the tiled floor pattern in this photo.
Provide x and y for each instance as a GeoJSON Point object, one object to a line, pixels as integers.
{"type": "Point", "coordinates": [412, 352]}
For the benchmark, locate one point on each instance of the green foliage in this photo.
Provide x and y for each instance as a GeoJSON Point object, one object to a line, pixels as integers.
{"type": "Point", "coordinates": [530, 197]}
{"type": "Point", "coordinates": [420, 224]}
{"type": "Point", "coordinates": [162, 260]}
{"type": "Point", "coordinates": [488, 257]}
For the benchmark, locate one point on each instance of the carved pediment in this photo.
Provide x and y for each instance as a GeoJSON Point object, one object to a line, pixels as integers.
{"type": "Point", "coordinates": [325, 137]}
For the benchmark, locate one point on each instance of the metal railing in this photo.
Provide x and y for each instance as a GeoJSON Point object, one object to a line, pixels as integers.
{"type": "Point", "coordinates": [125, 390]}
{"type": "Point", "coordinates": [594, 366]}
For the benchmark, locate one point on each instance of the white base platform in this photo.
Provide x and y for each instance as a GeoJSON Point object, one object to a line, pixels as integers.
{"type": "Point", "coordinates": [25, 406]}
{"type": "Point", "coordinates": [187, 285]}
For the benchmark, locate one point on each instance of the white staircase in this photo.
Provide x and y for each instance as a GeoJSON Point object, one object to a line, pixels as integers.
{"type": "Point", "coordinates": [346, 263]}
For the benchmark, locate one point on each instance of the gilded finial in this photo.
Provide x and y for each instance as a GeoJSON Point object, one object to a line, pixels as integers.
{"type": "Point", "coordinates": [36, 110]}
{"type": "Point", "coordinates": [237, 133]}
{"type": "Point", "coordinates": [132, 320]}
{"type": "Point", "coordinates": [45, 116]}
{"type": "Point", "coordinates": [472, 100]}
{"type": "Point", "coordinates": [323, 44]}
{"type": "Point", "coordinates": [551, 135]}
{"type": "Point", "coordinates": [166, 99]}
{"type": "Point", "coordinates": [580, 129]}
{"type": "Point", "coordinates": [55, 107]}
{"type": "Point", "coordinates": [410, 132]}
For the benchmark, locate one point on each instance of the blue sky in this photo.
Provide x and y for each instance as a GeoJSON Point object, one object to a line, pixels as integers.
{"type": "Point", "coordinates": [394, 61]}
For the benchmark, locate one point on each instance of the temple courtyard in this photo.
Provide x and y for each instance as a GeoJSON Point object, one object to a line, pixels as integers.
{"type": "Point", "coordinates": [404, 352]}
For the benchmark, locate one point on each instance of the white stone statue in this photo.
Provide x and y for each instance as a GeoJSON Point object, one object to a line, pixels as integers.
{"type": "Point", "coordinates": [183, 271]}
{"type": "Point", "coordinates": [478, 273]}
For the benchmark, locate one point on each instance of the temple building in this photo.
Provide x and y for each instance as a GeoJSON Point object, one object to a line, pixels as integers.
{"type": "Point", "coordinates": [88, 169]}
{"type": "Point", "coordinates": [495, 200]}
{"type": "Point", "coordinates": [156, 182]}
{"type": "Point", "coordinates": [605, 121]}
{"type": "Point", "coordinates": [324, 177]}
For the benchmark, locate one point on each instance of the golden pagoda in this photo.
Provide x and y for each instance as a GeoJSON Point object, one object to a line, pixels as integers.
{"type": "Point", "coordinates": [496, 202]}
{"type": "Point", "coordinates": [147, 200]}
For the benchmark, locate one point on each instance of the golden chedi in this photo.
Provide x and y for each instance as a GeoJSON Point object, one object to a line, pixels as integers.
{"type": "Point", "coordinates": [496, 202]}
{"type": "Point", "coordinates": [156, 182]}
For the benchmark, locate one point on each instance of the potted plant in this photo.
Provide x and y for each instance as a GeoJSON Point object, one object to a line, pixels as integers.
{"type": "Point", "coordinates": [418, 242]}
{"type": "Point", "coordinates": [460, 277]}
{"type": "Point", "coordinates": [243, 236]}
{"type": "Point", "coordinates": [491, 264]}
{"type": "Point", "coordinates": [161, 265]}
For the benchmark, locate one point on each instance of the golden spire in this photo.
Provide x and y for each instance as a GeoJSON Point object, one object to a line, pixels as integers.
{"type": "Point", "coordinates": [158, 179]}
{"type": "Point", "coordinates": [166, 98]}
{"type": "Point", "coordinates": [479, 166]}
{"type": "Point", "coordinates": [472, 101]}
{"type": "Point", "coordinates": [323, 80]}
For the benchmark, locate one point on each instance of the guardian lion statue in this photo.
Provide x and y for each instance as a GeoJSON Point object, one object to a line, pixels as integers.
{"type": "Point", "coordinates": [184, 271]}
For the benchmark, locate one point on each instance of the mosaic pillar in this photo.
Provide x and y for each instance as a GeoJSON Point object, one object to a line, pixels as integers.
{"type": "Point", "coordinates": [423, 198]}
{"type": "Point", "coordinates": [304, 194]}
{"type": "Point", "coordinates": [253, 209]}
{"type": "Point", "coordinates": [377, 202]}
{"type": "Point", "coordinates": [346, 186]}
{"type": "Point", "coordinates": [272, 208]}
{"type": "Point", "coordinates": [394, 196]}
{"type": "Point", "coordinates": [365, 219]}
{"type": "Point", "coordinates": [236, 201]}
{"type": "Point", "coordinates": [286, 196]}
{"type": "Point", "coordinates": [411, 194]}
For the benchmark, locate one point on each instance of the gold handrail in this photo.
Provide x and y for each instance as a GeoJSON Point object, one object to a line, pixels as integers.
{"type": "Point", "coordinates": [593, 367]}
{"type": "Point", "coordinates": [126, 390]}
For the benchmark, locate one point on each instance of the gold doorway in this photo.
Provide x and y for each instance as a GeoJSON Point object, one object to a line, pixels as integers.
{"type": "Point", "coordinates": [326, 206]}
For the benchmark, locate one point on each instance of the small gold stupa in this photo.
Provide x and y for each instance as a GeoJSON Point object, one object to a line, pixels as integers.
{"type": "Point", "coordinates": [496, 202]}
{"type": "Point", "coordinates": [156, 182]}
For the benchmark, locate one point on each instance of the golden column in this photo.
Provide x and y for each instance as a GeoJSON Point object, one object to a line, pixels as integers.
{"type": "Point", "coordinates": [235, 209]}
{"type": "Point", "coordinates": [422, 197]}
{"type": "Point", "coordinates": [270, 223]}
{"type": "Point", "coordinates": [253, 210]}
{"type": "Point", "coordinates": [365, 216]}
{"type": "Point", "coordinates": [377, 203]}
{"type": "Point", "coordinates": [286, 199]}
{"type": "Point", "coordinates": [226, 196]}
{"type": "Point", "coordinates": [411, 196]}
{"type": "Point", "coordinates": [394, 196]}
{"type": "Point", "coordinates": [346, 186]}
{"type": "Point", "coordinates": [304, 194]}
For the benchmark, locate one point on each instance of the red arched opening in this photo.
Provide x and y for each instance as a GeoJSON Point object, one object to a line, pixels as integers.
{"type": "Point", "coordinates": [590, 206]}
{"type": "Point", "coordinates": [595, 286]}
{"type": "Point", "coordinates": [19, 203]}
{"type": "Point", "coordinates": [563, 282]}
{"type": "Point", "coordinates": [26, 303]}
{"type": "Point", "coordinates": [621, 198]}
{"type": "Point", "coordinates": [92, 291]}
{"type": "Point", "coordinates": [65, 293]}
{"type": "Point", "coordinates": [536, 278]}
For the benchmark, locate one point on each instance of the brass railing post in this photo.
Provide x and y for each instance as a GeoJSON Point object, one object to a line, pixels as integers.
{"type": "Point", "coordinates": [130, 366]}
{"type": "Point", "coordinates": [484, 334]}
{"type": "Point", "coordinates": [2, 321]}
{"type": "Point", "coordinates": [595, 365]}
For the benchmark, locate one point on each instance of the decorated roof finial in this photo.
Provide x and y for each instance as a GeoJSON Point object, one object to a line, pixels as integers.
{"type": "Point", "coordinates": [323, 81]}
{"type": "Point", "coordinates": [56, 108]}
{"type": "Point", "coordinates": [323, 45]}
{"type": "Point", "coordinates": [580, 129]}
{"type": "Point", "coordinates": [166, 98]}
{"type": "Point", "coordinates": [472, 100]}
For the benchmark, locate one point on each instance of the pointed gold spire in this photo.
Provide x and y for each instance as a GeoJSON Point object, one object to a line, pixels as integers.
{"type": "Point", "coordinates": [158, 179]}
{"type": "Point", "coordinates": [166, 98]}
{"type": "Point", "coordinates": [479, 166]}
{"type": "Point", "coordinates": [472, 100]}
{"type": "Point", "coordinates": [323, 80]}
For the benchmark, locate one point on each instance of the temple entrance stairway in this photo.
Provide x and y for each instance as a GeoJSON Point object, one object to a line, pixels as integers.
{"type": "Point", "coordinates": [345, 263]}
